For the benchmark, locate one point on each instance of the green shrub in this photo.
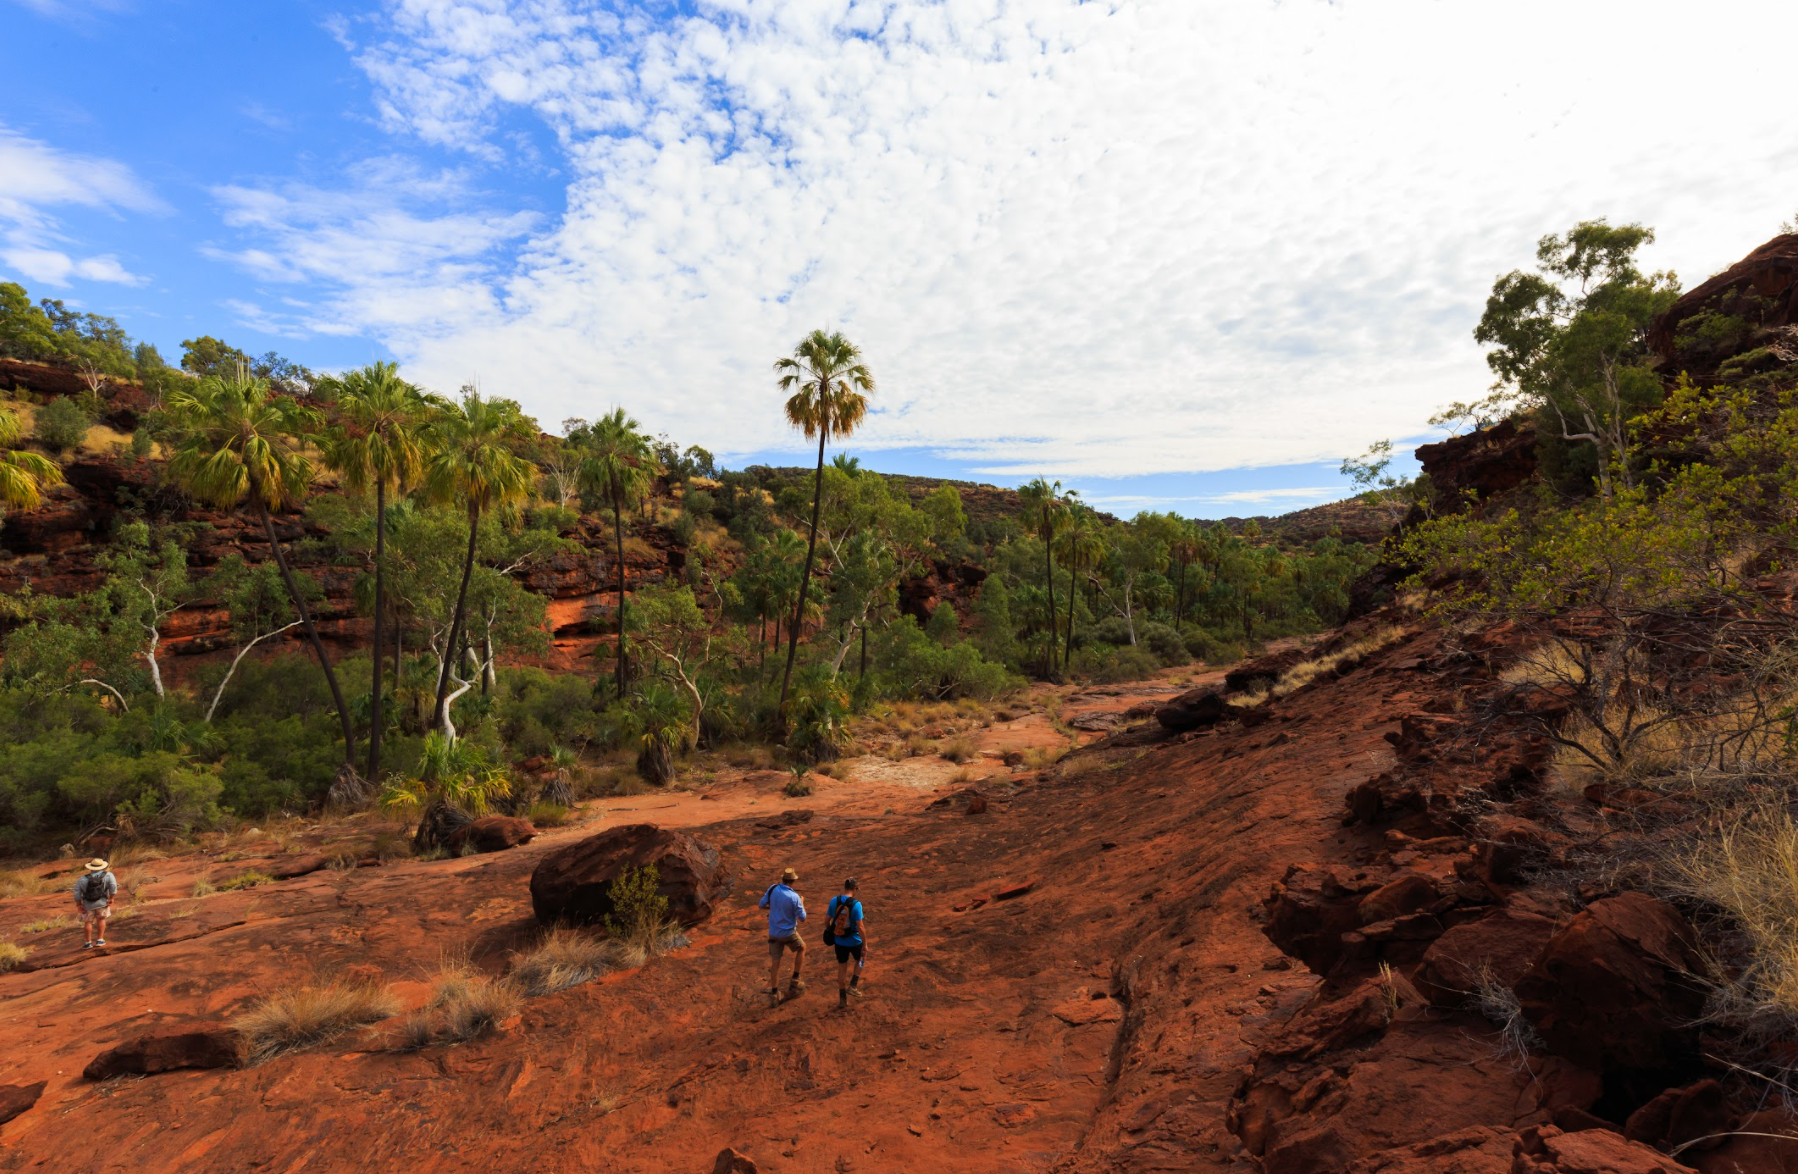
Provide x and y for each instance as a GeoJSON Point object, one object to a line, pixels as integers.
{"type": "Point", "coordinates": [639, 911]}
{"type": "Point", "coordinates": [1108, 665]}
{"type": "Point", "coordinates": [61, 425]}
{"type": "Point", "coordinates": [1164, 642]}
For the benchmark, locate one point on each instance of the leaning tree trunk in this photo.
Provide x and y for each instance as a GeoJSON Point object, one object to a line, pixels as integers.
{"type": "Point", "coordinates": [374, 701]}
{"type": "Point", "coordinates": [440, 712]}
{"type": "Point", "coordinates": [805, 579]}
{"type": "Point", "coordinates": [348, 789]}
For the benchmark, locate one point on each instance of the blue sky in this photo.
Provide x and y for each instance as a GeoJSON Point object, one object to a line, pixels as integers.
{"type": "Point", "coordinates": [1179, 254]}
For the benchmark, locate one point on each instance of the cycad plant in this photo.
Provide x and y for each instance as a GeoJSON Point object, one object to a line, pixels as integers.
{"type": "Point", "coordinates": [474, 464]}
{"type": "Point", "coordinates": [23, 474]}
{"type": "Point", "coordinates": [826, 378]}
{"type": "Point", "coordinates": [618, 464]}
{"type": "Point", "coordinates": [452, 783]}
{"type": "Point", "coordinates": [663, 729]}
{"type": "Point", "coordinates": [376, 443]}
{"type": "Point", "coordinates": [236, 441]}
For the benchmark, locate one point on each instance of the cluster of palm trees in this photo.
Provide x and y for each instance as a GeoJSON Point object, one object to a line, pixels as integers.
{"type": "Point", "coordinates": [1069, 530]}
{"type": "Point", "coordinates": [239, 442]}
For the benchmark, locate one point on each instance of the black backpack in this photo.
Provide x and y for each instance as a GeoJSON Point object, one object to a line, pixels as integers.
{"type": "Point", "coordinates": [93, 887]}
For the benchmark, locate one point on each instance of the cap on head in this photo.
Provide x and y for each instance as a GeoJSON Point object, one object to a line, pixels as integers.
{"type": "Point", "coordinates": [97, 865]}
{"type": "Point", "coordinates": [849, 885]}
{"type": "Point", "coordinates": [788, 876]}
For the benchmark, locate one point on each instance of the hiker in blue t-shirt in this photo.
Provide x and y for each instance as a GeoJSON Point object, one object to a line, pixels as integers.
{"type": "Point", "coordinates": [785, 911]}
{"type": "Point", "coordinates": [849, 934]}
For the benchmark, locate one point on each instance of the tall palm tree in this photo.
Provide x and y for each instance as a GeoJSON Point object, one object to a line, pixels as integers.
{"type": "Point", "coordinates": [1186, 549]}
{"type": "Point", "coordinates": [236, 441]}
{"type": "Point", "coordinates": [1045, 508]}
{"type": "Point", "coordinates": [23, 475]}
{"type": "Point", "coordinates": [376, 443]}
{"type": "Point", "coordinates": [826, 377]}
{"type": "Point", "coordinates": [618, 464]}
{"type": "Point", "coordinates": [1081, 546]}
{"type": "Point", "coordinates": [474, 464]}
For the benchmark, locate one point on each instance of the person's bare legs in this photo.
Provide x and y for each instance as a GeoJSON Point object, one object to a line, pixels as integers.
{"type": "Point", "coordinates": [798, 957]}
{"type": "Point", "coordinates": [774, 969]}
{"type": "Point", "coordinates": [87, 923]}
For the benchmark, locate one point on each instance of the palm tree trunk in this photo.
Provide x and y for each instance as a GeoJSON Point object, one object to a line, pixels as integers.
{"type": "Point", "coordinates": [618, 534]}
{"type": "Point", "coordinates": [805, 579]}
{"type": "Point", "coordinates": [1049, 574]}
{"type": "Point", "coordinates": [864, 669]}
{"type": "Point", "coordinates": [318, 646]}
{"type": "Point", "coordinates": [440, 713]}
{"type": "Point", "coordinates": [1067, 653]}
{"type": "Point", "coordinates": [374, 702]}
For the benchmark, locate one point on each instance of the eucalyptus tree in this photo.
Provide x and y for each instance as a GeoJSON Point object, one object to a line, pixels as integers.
{"type": "Point", "coordinates": [827, 381]}
{"type": "Point", "coordinates": [235, 440]}
{"type": "Point", "coordinates": [23, 474]}
{"type": "Point", "coordinates": [1045, 510]}
{"type": "Point", "coordinates": [618, 464]}
{"type": "Point", "coordinates": [475, 465]}
{"type": "Point", "coordinates": [376, 443]}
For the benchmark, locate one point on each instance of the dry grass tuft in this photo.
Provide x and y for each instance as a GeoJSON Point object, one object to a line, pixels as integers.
{"type": "Point", "coordinates": [49, 923]}
{"type": "Point", "coordinates": [1044, 757]}
{"type": "Point", "coordinates": [1307, 671]}
{"type": "Point", "coordinates": [305, 1016]}
{"type": "Point", "coordinates": [465, 1004]}
{"type": "Point", "coordinates": [26, 884]}
{"type": "Point", "coordinates": [958, 750]}
{"type": "Point", "coordinates": [11, 954]}
{"type": "Point", "coordinates": [543, 814]}
{"type": "Point", "coordinates": [564, 958]}
{"type": "Point", "coordinates": [204, 888]}
{"type": "Point", "coordinates": [1749, 870]}
{"type": "Point", "coordinates": [245, 880]}
{"type": "Point", "coordinates": [1636, 745]}
{"type": "Point", "coordinates": [917, 746]}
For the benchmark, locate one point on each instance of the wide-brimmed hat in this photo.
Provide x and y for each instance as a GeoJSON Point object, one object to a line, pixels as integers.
{"type": "Point", "coordinates": [788, 876]}
{"type": "Point", "coordinates": [97, 865]}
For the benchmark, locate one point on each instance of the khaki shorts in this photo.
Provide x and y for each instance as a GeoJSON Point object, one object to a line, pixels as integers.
{"type": "Point", "coordinates": [91, 914]}
{"type": "Point", "coordinates": [779, 946]}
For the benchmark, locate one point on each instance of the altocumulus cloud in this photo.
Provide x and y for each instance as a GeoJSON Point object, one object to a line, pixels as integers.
{"type": "Point", "coordinates": [1097, 238]}
{"type": "Point", "coordinates": [37, 178]}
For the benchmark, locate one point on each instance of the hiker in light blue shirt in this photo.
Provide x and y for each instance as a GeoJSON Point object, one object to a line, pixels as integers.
{"type": "Point", "coordinates": [785, 911]}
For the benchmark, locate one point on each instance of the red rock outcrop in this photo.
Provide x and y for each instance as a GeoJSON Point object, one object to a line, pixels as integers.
{"type": "Point", "coordinates": [573, 883]}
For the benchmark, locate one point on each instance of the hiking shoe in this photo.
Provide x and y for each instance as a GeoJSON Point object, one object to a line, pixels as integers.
{"type": "Point", "coordinates": [843, 998]}
{"type": "Point", "coordinates": [774, 998]}
{"type": "Point", "coordinates": [797, 986]}
{"type": "Point", "coordinates": [100, 942]}
{"type": "Point", "coordinates": [89, 946]}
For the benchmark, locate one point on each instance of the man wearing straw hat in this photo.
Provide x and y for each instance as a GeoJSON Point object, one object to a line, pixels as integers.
{"type": "Point", "coordinates": [93, 898]}
{"type": "Point", "coordinates": [785, 911]}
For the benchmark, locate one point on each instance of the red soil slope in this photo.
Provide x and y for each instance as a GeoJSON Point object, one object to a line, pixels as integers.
{"type": "Point", "coordinates": [1126, 1011]}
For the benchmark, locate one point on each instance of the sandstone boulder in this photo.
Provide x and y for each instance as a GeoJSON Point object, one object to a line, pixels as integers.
{"type": "Point", "coordinates": [491, 833]}
{"type": "Point", "coordinates": [1192, 710]}
{"type": "Point", "coordinates": [1615, 989]}
{"type": "Point", "coordinates": [1307, 914]}
{"type": "Point", "coordinates": [169, 1048]}
{"type": "Point", "coordinates": [16, 1098]}
{"type": "Point", "coordinates": [571, 884]}
{"type": "Point", "coordinates": [1410, 893]}
{"type": "Point", "coordinates": [1682, 1114]}
{"type": "Point", "coordinates": [729, 1161]}
{"type": "Point", "coordinates": [1499, 948]}
{"type": "Point", "coordinates": [298, 866]}
{"type": "Point", "coordinates": [1543, 1149]}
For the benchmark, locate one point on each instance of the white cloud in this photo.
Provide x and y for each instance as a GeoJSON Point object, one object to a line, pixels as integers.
{"type": "Point", "coordinates": [393, 270]}
{"type": "Point", "coordinates": [40, 177]}
{"type": "Point", "coordinates": [1088, 239]}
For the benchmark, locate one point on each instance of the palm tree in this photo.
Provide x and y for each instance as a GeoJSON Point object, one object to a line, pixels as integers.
{"type": "Point", "coordinates": [618, 464]}
{"type": "Point", "coordinates": [475, 464]}
{"type": "Point", "coordinates": [235, 440]}
{"type": "Point", "coordinates": [1045, 508]}
{"type": "Point", "coordinates": [23, 475]}
{"type": "Point", "coordinates": [1081, 546]}
{"type": "Point", "coordinates": [376, 443]}
{"type": "Point", "coordinates": [1186, 549]}
{"type": "Point", "coordinates": [826, 377]}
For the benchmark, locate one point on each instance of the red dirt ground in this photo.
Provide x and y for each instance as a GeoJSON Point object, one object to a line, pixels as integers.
{"type": "Point", "coordinates": [1099, 1022]}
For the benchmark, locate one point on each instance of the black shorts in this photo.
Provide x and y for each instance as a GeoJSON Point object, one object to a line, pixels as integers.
{"type": "Point", "coordinates": [844, 953]}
